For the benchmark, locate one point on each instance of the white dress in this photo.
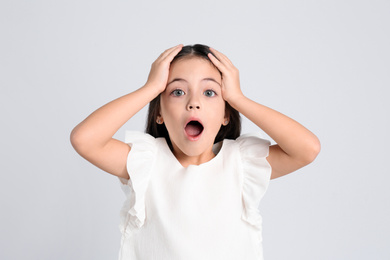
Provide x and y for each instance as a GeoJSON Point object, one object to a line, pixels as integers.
{"type": "Point", "coordinates": [204, 212]}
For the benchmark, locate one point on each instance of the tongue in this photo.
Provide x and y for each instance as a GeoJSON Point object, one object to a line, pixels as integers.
{"type": "Point", "coordinates": [193, 130]}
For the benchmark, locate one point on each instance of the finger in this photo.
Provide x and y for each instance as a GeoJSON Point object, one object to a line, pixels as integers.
{"type": "Point", "coordinates": [217, 63]}
{"type": "Point", "coordinates": [174, 50]}
{"type": "Point", "coordinates": [222, 57]}
{"type": "Point", "coordinates": [164, 53]}
{"type": "Point", "coordinates": [214, 53]}
{"type": "Point", "coordinates": [168, 50]}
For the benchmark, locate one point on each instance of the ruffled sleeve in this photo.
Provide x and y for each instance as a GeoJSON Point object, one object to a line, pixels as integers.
{"type": "Point", "coordinates": [139, 165]}
{"type": "Point", "coordinates": [256, 176]}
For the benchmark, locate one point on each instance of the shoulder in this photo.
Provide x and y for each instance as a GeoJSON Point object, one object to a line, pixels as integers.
{"type": "Point", "coordinates": [250, 144]}
{"type": "Point", "coordinates": [143, 152]}
{"type": "Point", "coordinates": [136, 136]}
{"type": "Point", "coordinates": [250, 152]}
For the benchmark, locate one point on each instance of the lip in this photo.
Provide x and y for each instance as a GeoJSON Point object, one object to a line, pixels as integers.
{"type": "Point", "coordinates": [193, 138]}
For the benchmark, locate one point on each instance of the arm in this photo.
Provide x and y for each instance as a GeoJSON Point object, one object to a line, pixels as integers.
{"type": "Point", "coordinates": [296, 146]}
{"type": "Point", "coordinates": [92, 138]}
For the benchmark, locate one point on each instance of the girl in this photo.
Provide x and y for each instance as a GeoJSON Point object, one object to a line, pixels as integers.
{"type": "Point", "coordinates": [192, 184]}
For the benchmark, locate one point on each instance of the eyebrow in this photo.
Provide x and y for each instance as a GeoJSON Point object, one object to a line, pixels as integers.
{"type": "Point", "coordinates": [183, 80]}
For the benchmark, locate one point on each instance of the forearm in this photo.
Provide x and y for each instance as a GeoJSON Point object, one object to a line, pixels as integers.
{"type": "Point", "coordinates": [293, 138]}
{"type": "Point", "coordinates": [296, 146]}
{"type": "Point", "coordinates": [92, 138]}
{"type": "Point", "coordinates": [99, 127]}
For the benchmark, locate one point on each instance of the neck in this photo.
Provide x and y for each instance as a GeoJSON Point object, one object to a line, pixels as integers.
{"type": "Point", "coordinates": [186, 160]}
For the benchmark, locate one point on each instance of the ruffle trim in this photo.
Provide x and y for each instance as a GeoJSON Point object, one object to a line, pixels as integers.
{"type": "Point", "coordinates": [256, 176]}
{"type": "Point", "coordinates": [139, 165]}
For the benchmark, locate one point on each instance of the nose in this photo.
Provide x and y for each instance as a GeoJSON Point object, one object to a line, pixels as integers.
{"type": "Point", "coordinates": [193, 106]}
{"type": "Point", "coordinates": [193, 103]}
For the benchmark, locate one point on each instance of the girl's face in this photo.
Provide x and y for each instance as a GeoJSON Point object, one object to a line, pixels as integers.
{"type": "Point", "coordinates": [193, 109]}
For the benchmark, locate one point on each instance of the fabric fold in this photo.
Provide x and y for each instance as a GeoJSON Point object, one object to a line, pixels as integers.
{"type": "Point", "coordinates": [256, 173]}
{"type": "Point", "coordinates": [140, 161]}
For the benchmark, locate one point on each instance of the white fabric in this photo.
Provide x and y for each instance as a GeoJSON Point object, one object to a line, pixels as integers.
{"type": "Point", "coordinates": [207, 212]}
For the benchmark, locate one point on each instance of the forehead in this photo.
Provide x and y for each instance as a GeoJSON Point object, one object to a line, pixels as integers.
{"type": "Point", "coordinates": [193, 66]}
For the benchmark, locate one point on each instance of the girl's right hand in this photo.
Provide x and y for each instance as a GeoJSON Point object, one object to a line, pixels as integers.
{"type": "Point", "coordinates": [93, 137]}
{"type": "Point", "coordinates": [158, 76]}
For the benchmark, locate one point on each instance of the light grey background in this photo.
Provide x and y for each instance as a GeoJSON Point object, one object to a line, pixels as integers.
{"type": "Point", "coordinates": [324, 63]}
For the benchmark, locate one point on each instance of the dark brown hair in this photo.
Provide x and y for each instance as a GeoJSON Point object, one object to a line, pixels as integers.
{"type": "Point", "coordinates": [230, 131]}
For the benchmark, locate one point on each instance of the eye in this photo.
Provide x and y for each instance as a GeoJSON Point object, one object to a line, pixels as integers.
{"type": "Point", "coordinates": [177, 93]}
{"type": "Point", "coordinates": [209, 93]}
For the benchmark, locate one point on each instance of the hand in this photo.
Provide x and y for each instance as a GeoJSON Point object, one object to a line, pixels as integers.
{"type": "Point", "coordinates": [158, 75]}
{"type": "Point", "coordinates": [230, 76]}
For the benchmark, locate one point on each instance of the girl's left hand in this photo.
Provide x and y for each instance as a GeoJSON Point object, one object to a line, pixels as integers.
{"type": "Point", "coordinates": [230, 76]}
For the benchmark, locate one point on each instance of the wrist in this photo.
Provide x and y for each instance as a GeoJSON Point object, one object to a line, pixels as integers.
{"type": "Point", "coordinates": [236, 100]}
{"type": "Point", "coordinates": [232, 99]}
{"type": "Point", "coordinates": [152, 89]}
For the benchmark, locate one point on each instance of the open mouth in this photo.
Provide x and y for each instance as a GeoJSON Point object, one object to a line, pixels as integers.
{"type": "Point", "coordinates": [194, 129]}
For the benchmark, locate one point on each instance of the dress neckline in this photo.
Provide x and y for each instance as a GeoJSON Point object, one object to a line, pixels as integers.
{"type": "Point", "coordinates": [217, 150]}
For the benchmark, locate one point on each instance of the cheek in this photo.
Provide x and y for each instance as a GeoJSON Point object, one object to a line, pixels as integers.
{"type": "Point", "coordinates": [164, 106]}
{"type": "Point", "coordinates": [217, 117]}
{"type": "Point", "coordinates": [220, 109]}
{"type": "Point", "coordinates": [168, 110]}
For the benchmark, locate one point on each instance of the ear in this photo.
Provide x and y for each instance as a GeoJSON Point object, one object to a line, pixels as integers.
{"type": "Point", "coordinates": [226, 120]}
{"type": "Point", "coordinates": [159, 120]}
